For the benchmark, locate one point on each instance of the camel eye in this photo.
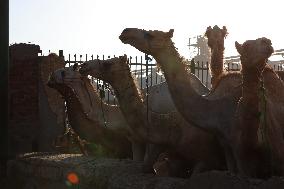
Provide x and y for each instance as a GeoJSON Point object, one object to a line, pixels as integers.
{"type": "Point", "coordinates": [75, 66]}
{"type": "Point", "coordinates": [107, 66]}
{"type": "Point", "coordinates": [147, 35]}
{"type": "Point", "coordinates": [126, 30]}
{"type": "Point", "coordinates": [62, 74]}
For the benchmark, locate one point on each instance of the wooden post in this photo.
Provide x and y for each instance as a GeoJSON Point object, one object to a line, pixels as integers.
{"type": "Point", "coordinates": [4, 87]}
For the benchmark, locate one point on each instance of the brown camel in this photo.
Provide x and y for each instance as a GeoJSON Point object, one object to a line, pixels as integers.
{"type": "Point", "coordinates": [160, 46]}
{"type": "Point", "coordinates": [216, 43]}
{"type": "Point", "coordinates": [87, 115]}
{"type": "Point", "coordinates": [200, 149]}
{"type": "Point", "coordinates": [259, 139]}
{"type": "Point", "coordinates": [214, 112]}
{"type": "Point", "coordinates": [224, 96]}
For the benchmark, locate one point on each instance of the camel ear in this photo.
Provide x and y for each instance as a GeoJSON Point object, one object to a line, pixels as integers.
{"type": "Point", "coordinates": [224, 31]}
{"type": "Point", "coordinates": [75, 67]}
{"type": "Point", "coordinates": [170, 33]}
{"type": "Point", "coordinates": [208, 31]}
{"type": "Point", "coordinates": [123, 58]}
{"type": "Point", "coordinates": [239, 47]}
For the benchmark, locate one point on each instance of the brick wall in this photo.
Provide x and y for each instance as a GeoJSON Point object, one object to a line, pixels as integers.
{"type": "Point", "coordinates": [23, 93]}
{"type": "Point", "coordinates": [34, 120]}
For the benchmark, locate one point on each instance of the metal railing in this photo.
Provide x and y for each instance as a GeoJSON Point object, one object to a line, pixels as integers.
{"type": "Point", "coordinates": [139, 67]}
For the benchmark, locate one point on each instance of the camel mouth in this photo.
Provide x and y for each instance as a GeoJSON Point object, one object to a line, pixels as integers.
{"type": "Point", "coordinates": [84, 69]}
{"type": "Point", "coordinates": [92, 72]}
{"type": "Point", "coordinates": [50, 84]}
{"type": "Point", "coordinates": [53, 84]}
{"type": "Point", "coordinates": [270, 51]}
{"type": "Point", "coordinates": [123, 38]}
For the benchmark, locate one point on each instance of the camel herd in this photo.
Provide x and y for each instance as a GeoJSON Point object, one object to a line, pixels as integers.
{"type": "Point", "coordinates": [235, 126]}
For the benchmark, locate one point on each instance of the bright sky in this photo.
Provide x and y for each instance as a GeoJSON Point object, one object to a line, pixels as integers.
{"type": "Point", "coordinates": [93, 26]}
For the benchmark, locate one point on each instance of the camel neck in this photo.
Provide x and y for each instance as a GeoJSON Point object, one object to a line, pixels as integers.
{"type": "Point", "coordinates": [251, 84]}
{"type": "Point", "coordinates": [250, 105]}
{"type": "Point", "coordinates": [195, 108]}
{"type": "Point", "coordinates": [217, 64]}
{"type": "Point", "coordinates": [93, 130]}
{"type": "Point", "coordinates": [135, 112]}
{"type": "Point", "coordinates": [88, 129]}
{"type": "Point", "coordinates": [127, 91]}
{"type": "Point", "coordinates": [131, 104]}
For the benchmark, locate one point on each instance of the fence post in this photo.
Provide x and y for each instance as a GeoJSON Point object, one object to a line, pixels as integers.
{"type": "Point", "coordinates": [60, 53]}
{"type": "Point", "coordinates": [192, 66]}
{"type": "Point", "coordinates": [147, 88]}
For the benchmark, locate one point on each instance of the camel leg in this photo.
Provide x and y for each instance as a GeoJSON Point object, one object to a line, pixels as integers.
{"type": "Point", "coordinates": [230, 160]}
{"type": "Point", "coordinates": [199, 168]}
{"type": "Point", "coordinates": [138, 151]}
{"type": "Point", "coordinates": [170, 164]}
{"type": "Point", "coordinates": [178, 167]}
{"type": "Point", "coordinates": [152, 153]}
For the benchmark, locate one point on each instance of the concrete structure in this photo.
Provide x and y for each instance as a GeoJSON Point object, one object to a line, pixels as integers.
{"type": "Point", "coordinates": [33, 124]}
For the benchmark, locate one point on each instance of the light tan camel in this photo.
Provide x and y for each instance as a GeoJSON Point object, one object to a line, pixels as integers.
{"type": "Point", "coordinates": [216, 43]}
{"type": "Point", "coordinates": [200, 149]}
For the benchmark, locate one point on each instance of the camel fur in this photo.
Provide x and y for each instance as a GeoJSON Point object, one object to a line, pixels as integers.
{"type": "Point", "coordinates": [216, 43]}
{"type": "Point", "coordinates": [214, 112]}
{"type": "Point", "coordinates": [87, 114]}
{"type": "Point", "coordinates": [259, 138]}
{"type": "Point", "coordinates": [199, 149]}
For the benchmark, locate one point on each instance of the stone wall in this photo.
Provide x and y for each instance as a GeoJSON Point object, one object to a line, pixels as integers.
{"type": "Point", "coordinates": [51, 104]}
{"type": "Point", "coordinates": [50, 171]}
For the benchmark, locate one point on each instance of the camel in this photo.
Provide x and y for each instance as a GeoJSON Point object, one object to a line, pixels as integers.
{"type": "Point", "coordinates": [216, 37]}
{"type": "Point", "coordinates": [87, 115]}
{"type": "Point", "coordinates": [216, 43]}
{"type": "Point", "coordinates": [214, 112]}
{"type": "Point", "coordinates": [259, 140]}
{"type": "Point", "coordinates": [197, 148]}
{"type": "Point", "coordinates": [194, 110]}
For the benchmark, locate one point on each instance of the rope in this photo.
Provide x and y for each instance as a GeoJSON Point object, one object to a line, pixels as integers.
{"type": "Point", "coordinates": [262, 112]}
{"type": "Point", "coordinates": [263, 129]}
{"type": "Point", "coordinates": [102, 95]}
{"type": "Point", "coordinates": [103, 113]}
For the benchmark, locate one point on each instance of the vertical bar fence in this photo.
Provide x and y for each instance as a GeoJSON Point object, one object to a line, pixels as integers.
{"type": "Point", "coordinates": [142, 71]}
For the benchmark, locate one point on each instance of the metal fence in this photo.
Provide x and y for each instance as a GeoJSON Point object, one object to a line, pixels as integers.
{"type": "Point", "coordinates": [201, 70]}
{"type": "Point", "coordinates": [146, 72]}
{"type": "Point", "coordinates": [143, 68]}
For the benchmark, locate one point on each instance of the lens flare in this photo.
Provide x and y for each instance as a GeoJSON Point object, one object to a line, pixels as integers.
{"type": "Point", "coordinates": [73, 178]}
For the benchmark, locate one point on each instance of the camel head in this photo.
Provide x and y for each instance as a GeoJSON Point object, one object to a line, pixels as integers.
{"type": "Point", "coordinates": [149, 42]}
{"type": "Point", "coordinates": [107, 70]}
{"type": "Point", "coordinates": [255, 53]}
{"type": "Point", "coordinates": [64, 77]}
{"type": "Point", "coordinates": [68, 81]}
{"type": "Point", "coordinates": [216, 37]}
